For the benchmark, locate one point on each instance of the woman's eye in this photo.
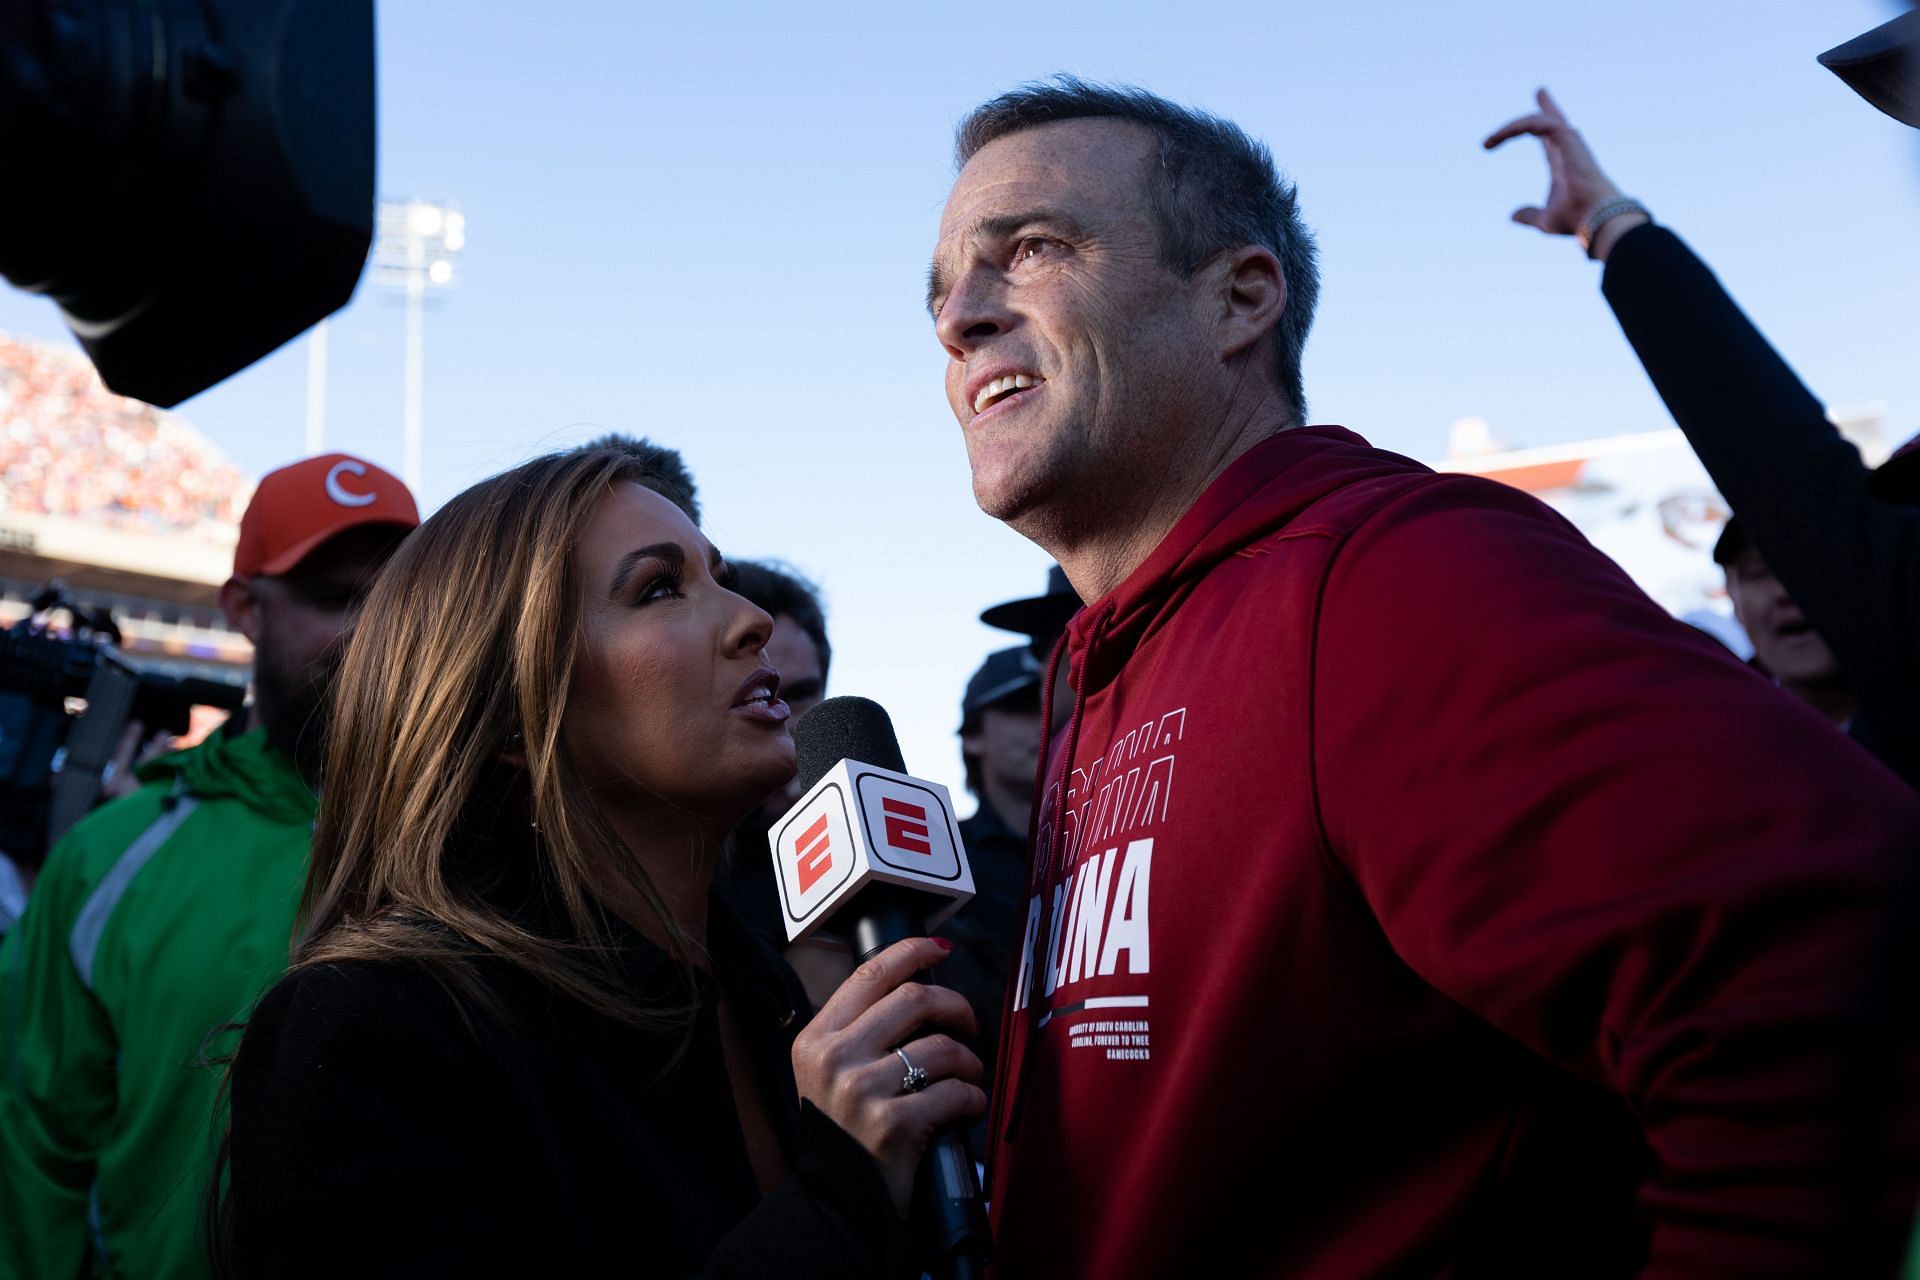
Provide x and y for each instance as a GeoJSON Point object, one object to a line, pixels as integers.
{"type": "Point", "coordinates": [660, 589]}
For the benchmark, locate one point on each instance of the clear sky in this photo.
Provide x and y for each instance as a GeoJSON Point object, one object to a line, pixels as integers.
{"type": "Point", "coordinates": [710, 224]}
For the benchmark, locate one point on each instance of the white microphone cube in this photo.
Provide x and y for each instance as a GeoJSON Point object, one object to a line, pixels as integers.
{"type": "Point", "coordinates": [862, 825]}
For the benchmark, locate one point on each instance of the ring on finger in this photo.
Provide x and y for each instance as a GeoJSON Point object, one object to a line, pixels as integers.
{"type": "Point", "coordinates": [916, 1078]}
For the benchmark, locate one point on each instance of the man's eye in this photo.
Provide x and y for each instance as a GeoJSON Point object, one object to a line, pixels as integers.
{"type": "Point", "coordinates": [1030, 248]}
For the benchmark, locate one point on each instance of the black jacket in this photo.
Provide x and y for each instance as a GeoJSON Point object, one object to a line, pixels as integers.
{"type": "Point", "coordinates": [381, 1129]}
{"type": "Point", "coordinates": [1850, 561]}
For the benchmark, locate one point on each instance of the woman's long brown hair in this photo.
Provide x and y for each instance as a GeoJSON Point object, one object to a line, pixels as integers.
{"type": "Point", "coordinates": [463, 654]}
{"type": "Point", "coordinates": [460, 659]}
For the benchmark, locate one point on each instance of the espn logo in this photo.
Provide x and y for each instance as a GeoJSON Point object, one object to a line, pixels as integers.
{"type": "Point", "coordinates": [906, 826]}
{"type": "Point", "coordinates": [813, 854]}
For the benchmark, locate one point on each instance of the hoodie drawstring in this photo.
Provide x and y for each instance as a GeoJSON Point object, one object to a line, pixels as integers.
{"type": "Point", "coordinates": [1016, 1096]}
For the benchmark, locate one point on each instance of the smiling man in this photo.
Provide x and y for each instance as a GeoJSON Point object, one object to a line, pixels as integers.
{"type": "Point", "coordinates": [1401, 902]}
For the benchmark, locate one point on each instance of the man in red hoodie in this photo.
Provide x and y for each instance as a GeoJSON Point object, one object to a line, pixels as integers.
{"type": "Point", "coordinates": [1410, 895]}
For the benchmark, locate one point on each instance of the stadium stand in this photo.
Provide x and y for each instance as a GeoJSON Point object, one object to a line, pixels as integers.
{"type": "Point", "coordinates": [132, 507]}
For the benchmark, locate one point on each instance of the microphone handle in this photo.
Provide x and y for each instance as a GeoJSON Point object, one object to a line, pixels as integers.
{"type": "Point", "coordinates": [951, 1212]}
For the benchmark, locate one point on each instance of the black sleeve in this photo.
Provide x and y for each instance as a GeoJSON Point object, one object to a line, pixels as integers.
{"type": "Point", "coordinates": [368, 1142]}
{"type": "Point", "coordinates": [363, 1145]}
{"type": "Point", "coordinates": [833, 1218]}
{"type": "Point", "coordinates": [1850, 561]}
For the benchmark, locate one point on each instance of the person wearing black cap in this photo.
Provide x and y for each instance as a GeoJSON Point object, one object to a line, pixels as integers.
{"type": "Point", "coordinates": [1844, 541]}
{"type": "Point", "coordinates": [1000, 747]}
{"type": "Point", "coordinates": [1043, 620]}
{"type": "Point", "coordinates": [1786, 648]}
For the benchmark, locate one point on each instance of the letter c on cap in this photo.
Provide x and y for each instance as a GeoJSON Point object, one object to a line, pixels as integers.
{"type": "Point", "coordinates": [340, 493]}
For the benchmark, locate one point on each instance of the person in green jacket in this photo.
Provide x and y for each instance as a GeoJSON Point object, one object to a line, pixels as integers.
{"type": "Point", "coordinates": [161, 917]}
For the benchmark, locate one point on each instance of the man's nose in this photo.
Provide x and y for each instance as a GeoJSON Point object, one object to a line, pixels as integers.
{"type": "Point", "coordinates": [973, 312]}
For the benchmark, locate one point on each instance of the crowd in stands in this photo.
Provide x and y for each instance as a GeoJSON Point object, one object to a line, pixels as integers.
{"type": "Point", "coordinates": [70, 447]}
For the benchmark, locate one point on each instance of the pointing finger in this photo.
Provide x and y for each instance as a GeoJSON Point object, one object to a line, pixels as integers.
{"type": "Point", "coordinates": [878, 976]}
{"type": "Point", "coordinates": [1541, 126]}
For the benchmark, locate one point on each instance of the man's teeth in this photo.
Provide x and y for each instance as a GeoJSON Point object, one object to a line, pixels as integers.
{"type": "Point", "coordinates": [761, 694]}
{"type": "Point", "coordinates": [1001, 386]}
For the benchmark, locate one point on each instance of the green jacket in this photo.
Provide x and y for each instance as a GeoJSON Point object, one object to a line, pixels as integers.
{"type": "Point", "coordinates": [160, 918]}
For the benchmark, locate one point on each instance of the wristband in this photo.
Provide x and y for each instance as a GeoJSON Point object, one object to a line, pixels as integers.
{"type": "Point", "coordinates": [1603, 213]}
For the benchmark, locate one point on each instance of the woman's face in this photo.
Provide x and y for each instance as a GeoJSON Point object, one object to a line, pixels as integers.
{"type": "Point", "coordinates": [672, 702]}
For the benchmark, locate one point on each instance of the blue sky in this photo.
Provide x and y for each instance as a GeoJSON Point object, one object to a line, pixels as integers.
{"type": "Point", "coordinates": [710, 225]}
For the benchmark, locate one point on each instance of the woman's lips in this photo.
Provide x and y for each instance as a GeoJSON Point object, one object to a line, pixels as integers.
{"type": "Point", "coordinates": [773, 712]}
{"type": "Point", "coordinates": [759, 697]}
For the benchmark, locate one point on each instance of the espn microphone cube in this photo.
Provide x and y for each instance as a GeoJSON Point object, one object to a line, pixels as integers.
{"type": "Point", "coordinates": [862, 825]}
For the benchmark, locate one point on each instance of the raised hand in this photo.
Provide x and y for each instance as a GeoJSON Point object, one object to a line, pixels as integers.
{"type": "Point", "coordinates": [1577, 185]}
{"type": "Point", "coordinates": [844, 1061]}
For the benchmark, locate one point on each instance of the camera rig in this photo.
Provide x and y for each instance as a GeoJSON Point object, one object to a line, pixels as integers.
{"type": "Point", "coordinates": [53, 752]}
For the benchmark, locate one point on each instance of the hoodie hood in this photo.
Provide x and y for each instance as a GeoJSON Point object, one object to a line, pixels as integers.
{"type": "Point", "coordinates": [242, 767]}
{"type": "Point", "coordinates": [1268, 492]}
{"type": "Point", "coordinates": [1264, 492]}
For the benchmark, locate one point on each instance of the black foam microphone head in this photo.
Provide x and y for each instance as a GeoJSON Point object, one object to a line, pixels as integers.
{"type": "Point", "coordinates": [845, 729]}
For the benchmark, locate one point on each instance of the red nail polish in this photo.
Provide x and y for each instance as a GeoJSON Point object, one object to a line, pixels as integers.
{"type": "Point", "coordinates": [945, 944]}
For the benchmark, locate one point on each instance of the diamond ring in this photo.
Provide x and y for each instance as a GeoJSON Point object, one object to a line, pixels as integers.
{"type": "Point", "coordinates": [916, 1078]}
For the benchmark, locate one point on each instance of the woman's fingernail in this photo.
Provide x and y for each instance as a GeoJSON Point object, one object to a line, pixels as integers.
{"type": "Point", "coordinates": [945, 944]}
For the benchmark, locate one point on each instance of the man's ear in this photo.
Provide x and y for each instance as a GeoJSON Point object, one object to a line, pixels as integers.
{"type": "Point", "coordinates": [1254, 297]}
{"type": "Point", "coordinates": [241, 605]}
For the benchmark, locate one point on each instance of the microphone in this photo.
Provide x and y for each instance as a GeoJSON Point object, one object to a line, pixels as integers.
{"type": "Point", "coordinates": [872, 855]}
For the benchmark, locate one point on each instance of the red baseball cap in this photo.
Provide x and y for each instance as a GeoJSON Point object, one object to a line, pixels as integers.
{"type": "Point", "coordinates": [300, 506]}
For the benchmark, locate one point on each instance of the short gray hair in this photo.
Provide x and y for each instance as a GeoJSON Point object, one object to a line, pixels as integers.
{"type": "Point", "coordinates": [1214, 188]}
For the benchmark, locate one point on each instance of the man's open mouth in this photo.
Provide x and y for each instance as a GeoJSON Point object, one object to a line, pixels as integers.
{"type": "Point", "coordinates": [1004, 388]}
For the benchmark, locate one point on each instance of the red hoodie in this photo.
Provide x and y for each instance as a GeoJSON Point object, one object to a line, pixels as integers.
{"type": "Point", "coordinates": [1425, 901]}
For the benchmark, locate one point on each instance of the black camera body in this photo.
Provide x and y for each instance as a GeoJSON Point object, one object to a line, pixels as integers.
{"type": "Point", "coordinates": [52, 761]}
{"type": "Point", "coordinates": [191, 180]}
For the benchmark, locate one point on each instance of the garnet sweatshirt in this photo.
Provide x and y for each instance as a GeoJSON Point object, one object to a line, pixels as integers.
{"type": "Point", "coordinates": [1412, 896]}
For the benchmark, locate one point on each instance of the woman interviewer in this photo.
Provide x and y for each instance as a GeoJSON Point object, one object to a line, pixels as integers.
{"type": "Point", "coordinates": [518, 1039]}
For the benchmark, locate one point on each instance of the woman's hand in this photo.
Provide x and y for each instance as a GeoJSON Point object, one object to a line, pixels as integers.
{"type": "Point", "coordinates": [844, 1061]}
{"type": "Point", "coordinates": [1576, 186]}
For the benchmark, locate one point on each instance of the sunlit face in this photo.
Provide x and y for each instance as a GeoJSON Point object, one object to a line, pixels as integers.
{"type": "Point", "coordinates": [1075, 359]}
{"type": "Point", "coordinates": [673, 704]}
{"type": "Point", "coordinates": [1783, 640]}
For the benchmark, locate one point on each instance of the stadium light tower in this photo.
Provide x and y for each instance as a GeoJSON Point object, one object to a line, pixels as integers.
{"type": "Point", "coordinates": [415, 246]}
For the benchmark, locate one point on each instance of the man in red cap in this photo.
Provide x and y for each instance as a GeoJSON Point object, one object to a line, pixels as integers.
{"type": "Point", "coordinates": [162, 915]}
{"type": "Point", "coordinates": [309, 543]}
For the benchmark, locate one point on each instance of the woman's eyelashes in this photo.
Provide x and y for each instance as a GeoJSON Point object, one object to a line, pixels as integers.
{"type": "Point", "coordinates": [671, 582]}
{"type": "Point", "coordinates": [665, 586]}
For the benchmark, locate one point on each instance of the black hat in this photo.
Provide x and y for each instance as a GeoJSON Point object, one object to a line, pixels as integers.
{"type": "Point", "coordinates": [1732, 541]}
{"type": "Point", "coordinates": [1006, 672]}
{"type": "Point", "coordinates": [1883, 66]}
{"type": "Point", "coordinates": [1045, 615]}
{"type": "Point", "coordinates": [1898, 478]}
